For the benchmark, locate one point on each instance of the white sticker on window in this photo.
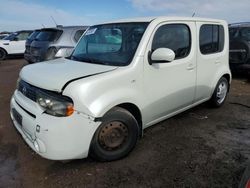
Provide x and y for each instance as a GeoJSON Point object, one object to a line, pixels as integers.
{"type": "Point", "coordinates": [91, 31]}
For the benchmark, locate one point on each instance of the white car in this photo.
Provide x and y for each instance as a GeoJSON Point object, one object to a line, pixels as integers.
{"type": "Point", "coordinates": [122, 77]}
{"type": "Point", "coordinates": [14, 44]}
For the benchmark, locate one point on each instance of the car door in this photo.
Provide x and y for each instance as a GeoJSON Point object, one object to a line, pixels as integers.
{"type": "Point", "coordinates": [170, 86]}
{"type": "Point", "coordinates": [17, 45]}
{"type": "Point", "coordinates": [210, 57]}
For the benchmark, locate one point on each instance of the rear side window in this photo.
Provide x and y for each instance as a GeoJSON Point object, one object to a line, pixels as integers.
{"type": "Point", "coordinates": [176, 37]}
{"type": "Point", "coordinates": [211, 39]}
{"type": "Point", "coordinates": [78, 35]}
{"type": "Point", "coordinates": [49, 35]}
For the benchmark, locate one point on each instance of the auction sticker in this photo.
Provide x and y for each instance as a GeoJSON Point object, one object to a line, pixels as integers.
{"type": "Point", "coordinates": [91, 31]}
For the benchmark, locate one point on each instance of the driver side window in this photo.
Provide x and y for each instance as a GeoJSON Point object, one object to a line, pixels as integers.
{"type": "Point", "coordinates": [176, 37]}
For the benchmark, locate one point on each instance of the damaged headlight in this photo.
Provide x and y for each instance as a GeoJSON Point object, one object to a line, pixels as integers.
{"type": "Point", "coordinates": [55, 104]}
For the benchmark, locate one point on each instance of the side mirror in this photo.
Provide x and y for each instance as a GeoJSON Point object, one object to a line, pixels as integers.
{"type": "Point", "coordinates": [162, 55]}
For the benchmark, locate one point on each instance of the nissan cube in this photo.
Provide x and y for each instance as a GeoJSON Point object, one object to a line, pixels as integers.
{"type": "Point", "coordinates": [121, 78]}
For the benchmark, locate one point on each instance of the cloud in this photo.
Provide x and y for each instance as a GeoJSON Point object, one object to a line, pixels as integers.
{"type": "Point", "coordinates": [229, 10]}
{"type": "Point", "coordinates": [15, 15]}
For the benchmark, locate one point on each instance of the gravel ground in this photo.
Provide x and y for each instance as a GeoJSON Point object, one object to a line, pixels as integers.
{"type": "Point", "coordinates": [202, 147]}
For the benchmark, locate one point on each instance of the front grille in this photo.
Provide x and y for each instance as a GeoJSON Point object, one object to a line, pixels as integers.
{"type": "Point", "coordinates": [27, 90]}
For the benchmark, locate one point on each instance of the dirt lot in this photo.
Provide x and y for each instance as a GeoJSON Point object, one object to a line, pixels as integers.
{"type": "Point", "coordinates": [202, 147]}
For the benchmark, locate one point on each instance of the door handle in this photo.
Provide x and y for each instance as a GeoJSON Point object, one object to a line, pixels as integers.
{"type": "Point", "coordinates": [190, 67]}
{"type": "Point", "coordinates": [217, 61]}
{"type": "Point", "coordinates": [5, 43]}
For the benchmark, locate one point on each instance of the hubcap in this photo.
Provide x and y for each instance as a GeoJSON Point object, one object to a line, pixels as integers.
{"type": "Point", "coordinates": [221, 92]}
{"type": "Point", "coordinates": [113, 135]}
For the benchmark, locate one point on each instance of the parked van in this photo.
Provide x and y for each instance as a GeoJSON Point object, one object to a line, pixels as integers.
{"type": "Point", "coordinates": [122, 77]}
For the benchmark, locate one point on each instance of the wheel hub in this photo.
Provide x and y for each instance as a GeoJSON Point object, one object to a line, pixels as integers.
{"type": "Point", "coordinates": [221, 92]}
{"type": "Point", "coordinates": [113, 135]}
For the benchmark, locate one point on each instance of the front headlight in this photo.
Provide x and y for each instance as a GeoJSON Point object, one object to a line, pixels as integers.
{"type": "Point", "coordinates": [60, 106]}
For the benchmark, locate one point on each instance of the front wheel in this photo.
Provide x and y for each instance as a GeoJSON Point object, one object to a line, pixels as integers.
{"type": "Point", "coordinates": [220, 93]}
{"type": "Point", "coordinates": [116, 136]}
{"type": "Point", "coordinates": [3, 54]}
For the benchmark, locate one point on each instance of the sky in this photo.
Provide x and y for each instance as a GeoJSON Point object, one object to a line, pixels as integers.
{"type": "Point", "coordinates": [26, 14]}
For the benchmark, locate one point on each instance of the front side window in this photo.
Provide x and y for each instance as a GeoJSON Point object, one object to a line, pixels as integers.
{"type": "Point", "coordinates": [211, 39]}
{"type": "Point", "coordinates": [110, 44]}
{"type": "Point", "coordinates": [176, 37]}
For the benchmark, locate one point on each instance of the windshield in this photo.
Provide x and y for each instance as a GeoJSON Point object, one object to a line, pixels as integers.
{"type": "Point", "coordinates": [33, 35]}
{"type": "Point", "coordinates": [11, 36]}
{"type": "Point", "coordinates": [48, 35]}
{"type": "Point", "coordinates": [109, 44]}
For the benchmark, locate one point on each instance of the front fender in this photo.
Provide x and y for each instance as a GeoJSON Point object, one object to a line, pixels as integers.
{"type": "Point", "coordinates": [113, 98]}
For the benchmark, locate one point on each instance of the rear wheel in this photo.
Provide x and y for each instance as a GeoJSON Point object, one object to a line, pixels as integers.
{"type": "Point", "coordinates": [220, 93]}
{"type": "Point", "coordinates": [3, 54]}
{"type": "Point", "coordinates": [116, 136]}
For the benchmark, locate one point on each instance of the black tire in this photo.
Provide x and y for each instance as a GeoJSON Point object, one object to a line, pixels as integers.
{"type": "Point", "coordinates": [118, 125]}
{"type": "Point", "coordinates": [3, 54]}
{"type": "Point", "coordinates": [215, 100]}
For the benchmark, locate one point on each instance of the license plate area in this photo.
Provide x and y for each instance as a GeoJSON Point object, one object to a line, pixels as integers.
{"type": "Point", "coordinates": [17, 116]}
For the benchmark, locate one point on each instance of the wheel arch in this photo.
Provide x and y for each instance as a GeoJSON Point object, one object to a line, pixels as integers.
{"type": "Point", "coordinates": [1, 48]}
{"type": "Point", "coordinates": [133, 109]}
{"type": "Point", "coordinates": [228, 77]}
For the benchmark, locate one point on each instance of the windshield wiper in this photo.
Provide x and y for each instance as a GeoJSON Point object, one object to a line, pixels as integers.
{"type": "Point", "coordinates": [88, 60]}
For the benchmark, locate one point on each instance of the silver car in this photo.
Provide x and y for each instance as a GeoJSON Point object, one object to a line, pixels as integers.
{"type": "Point", "coordinates": [53, 42]}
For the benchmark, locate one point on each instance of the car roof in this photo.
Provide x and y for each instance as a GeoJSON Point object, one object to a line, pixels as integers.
{"type": "Point", "coordinates": [165, 18]}
{"type": "Point", "coordinates": [240, 24]}
{"type": "Point", "coordinates": [59, 27]}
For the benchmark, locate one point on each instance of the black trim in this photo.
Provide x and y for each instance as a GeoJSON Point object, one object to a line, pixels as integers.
{"type": "Point", "coordinates": [32, 115]}
{"type": "Point", "coordinates": [98, 119]}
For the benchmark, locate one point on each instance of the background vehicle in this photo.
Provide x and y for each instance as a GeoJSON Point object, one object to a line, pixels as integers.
{"type": "Point", "coordinates": [245, 179]}
{"type": "Point", "coordinates": [53, 42]}
{"type": "Point", "coordinates": [240, 47]}
{"type": "Point", "coordinates": [2, 36]}
{"type": "Point", "coordinates": [29, 40]}
{"type": "Point", "coordinates": [122, 77]}
{"type": "Point", "coordinates": [14, 44]}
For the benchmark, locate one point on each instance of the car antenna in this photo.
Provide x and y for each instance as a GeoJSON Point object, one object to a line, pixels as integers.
{"type": "Point", "coordinates": [53, 20]}
{"type": "Point", "coordinates": [43, 25]}
{"type": "Point", "coordinates": [193, 14]}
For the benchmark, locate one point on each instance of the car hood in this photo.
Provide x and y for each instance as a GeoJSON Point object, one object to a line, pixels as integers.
{"type": "Point", "coordinates": [53, 75]}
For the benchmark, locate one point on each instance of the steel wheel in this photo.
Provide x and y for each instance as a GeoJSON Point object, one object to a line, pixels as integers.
{"type": "Point", "coordinates": [113, 135]}
{"type": "Point", "coordinates": [116, 136]}
{"type": "Point", "coordinates": [222, 92]}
